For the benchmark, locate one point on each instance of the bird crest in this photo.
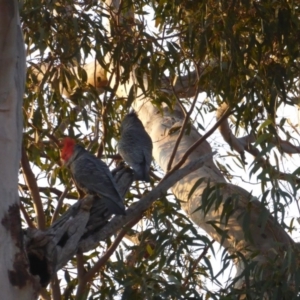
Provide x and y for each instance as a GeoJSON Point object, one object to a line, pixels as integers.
{"type": "Point", "coordinates": [133, 113]}
{"type": "Point", "coordinates": [67, 150]}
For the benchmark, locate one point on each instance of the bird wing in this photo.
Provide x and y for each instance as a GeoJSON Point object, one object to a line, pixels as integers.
{"type": "Point", "coordinates": [131, 148]}
{"type": "Point", "coordinates": [94, 177]}
{"type": "Point", "coordinates": [135, 147]}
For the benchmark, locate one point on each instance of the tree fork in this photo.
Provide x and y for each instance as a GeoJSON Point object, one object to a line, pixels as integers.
{"type": "Point", "coordinates": [87, 222]}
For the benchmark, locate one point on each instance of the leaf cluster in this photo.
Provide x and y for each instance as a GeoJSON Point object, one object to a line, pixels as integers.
{"type": "Point", "coordinates": [245, 53]}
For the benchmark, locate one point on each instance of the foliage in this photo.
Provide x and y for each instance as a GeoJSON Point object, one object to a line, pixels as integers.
{"type": "Point", "coordinates": [245, 53]}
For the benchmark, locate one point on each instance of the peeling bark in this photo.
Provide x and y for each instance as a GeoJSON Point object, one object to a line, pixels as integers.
{"type": "Point", "coordinates": [87, 223]}
{"type": "Point", "coordinates": [16, 282]}
{"type": "Point", "coordinates": [262, 235]}
{"type": "Point", "coordinates": [272, 240]}
{"type": "Point", "coordinates": [267, 240]}
{"type": "Point", "coordinates": [51, 249]}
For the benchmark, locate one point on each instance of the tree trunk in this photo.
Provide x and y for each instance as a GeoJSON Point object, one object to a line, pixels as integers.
{"type": "Point", "coordinates": [250, 228]}
{"type": "Point", "coordinates": [15, 279]}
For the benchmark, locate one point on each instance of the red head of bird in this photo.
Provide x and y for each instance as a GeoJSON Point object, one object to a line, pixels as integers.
{"type": "Point", "coordinates": [67, 150]}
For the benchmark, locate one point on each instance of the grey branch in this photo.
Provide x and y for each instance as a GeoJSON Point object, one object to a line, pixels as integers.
{"type": "Point", "coordinates": [87, 222]}
{"type": "Point", "coordinates": [243, 144]}
{"type": "Point", "coordinates": [136, 209]}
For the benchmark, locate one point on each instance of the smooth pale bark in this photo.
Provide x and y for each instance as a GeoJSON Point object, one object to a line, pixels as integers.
{"type": "Point", "coordinates": [98, 79]}
{"type": "Point", "coordinates": [15, 280]}
{"type": "Point", "coordinates": [268, 237]}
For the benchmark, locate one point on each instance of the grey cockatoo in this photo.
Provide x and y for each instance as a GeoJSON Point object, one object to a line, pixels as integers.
{"type": "Point", "coordinates": [135, 146]}
{"type": "Point", "coordinates": [92, 175]}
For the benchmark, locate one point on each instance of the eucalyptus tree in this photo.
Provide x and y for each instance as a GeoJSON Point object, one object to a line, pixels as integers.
{"type": "Point", "coordinates": [88, 64]}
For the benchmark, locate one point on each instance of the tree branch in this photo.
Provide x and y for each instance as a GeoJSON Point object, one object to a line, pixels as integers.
{"type": "Point", "coordinates": [33, 187]}
{"type": "Point", "coordinates": [52, 190]}
{"type": "Point", "coordinates": [59, 205]}
{"type": "Point", "coordinates": [26, 216]}
{"type": "Point", "coordinates": [136, 209]}
{"type": "Point", "coordinates": [186, 86]}
{"type": "Point", "coordinates": [198, 143]}
{"type": "Point", "coordinates": [102, 261]}
{"type": "Point", "coordinates": [182, 129]}
{"type": "Point", "coordinates": [51, 249]}
{"type": "Point", "coordinates": [86, 223]}
{"type": "Point", "coordinates": [196, 262]}
{"type": "Point", "coordinates": [82, 284]}
{"type": "Point", "coordinates": [244, 144]}
{"type": "Point", "coordinates": [241, 144]}
{"type": "Point", "coordinates": [226, 132]}
{"type": "Point", "coordinates": [55, 288]}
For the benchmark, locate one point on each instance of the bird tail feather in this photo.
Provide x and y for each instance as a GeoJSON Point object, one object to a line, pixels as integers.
{"type": "Point", "coordinates": [114, 208]}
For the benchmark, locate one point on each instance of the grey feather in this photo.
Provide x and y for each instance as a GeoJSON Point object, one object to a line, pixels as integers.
{"type": "Point", "coordinates": [93, 176]}
{"type": "Point", "coordinates": [135, 146]}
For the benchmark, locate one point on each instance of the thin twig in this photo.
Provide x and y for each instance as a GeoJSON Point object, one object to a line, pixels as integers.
{"type": "Point", "coordinates": [80, 266]}
{"type": "Point", "coordinates": [56, 295]}
{"type": "Point", "coordinates": [104, 107]}
{"type": "Point", "coordinates": [197, 143]}
{"type": "Point", "coordinates": [186, 119]}
{"type": "Point", "coordinates": [113, 156]}
{"type": "Point", "coordinates": [26, 216]}
{"type": "Point", "coordinates": [49, 189]}
{"type": "Point", "coordinates": [59, 205]}
{"type": "Point", "coordinates": [33, 187]}
{"type": "Point", "coordinates": [52, 138]}
{"type": "Point", "coordinates": [81, 273]}
{"type": "Point", "coordinates": [44, 294]}
{"type": "Point", "coordinates": [96, 135]}
{"type": "Point", "coordinates": [102, 261]}
{"type": "Point", "coordinates": [191, 272]}
{"type": "Point", "coordinates": [136, 209]}
{"type": "Point", "coordinates": [104, 129]}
